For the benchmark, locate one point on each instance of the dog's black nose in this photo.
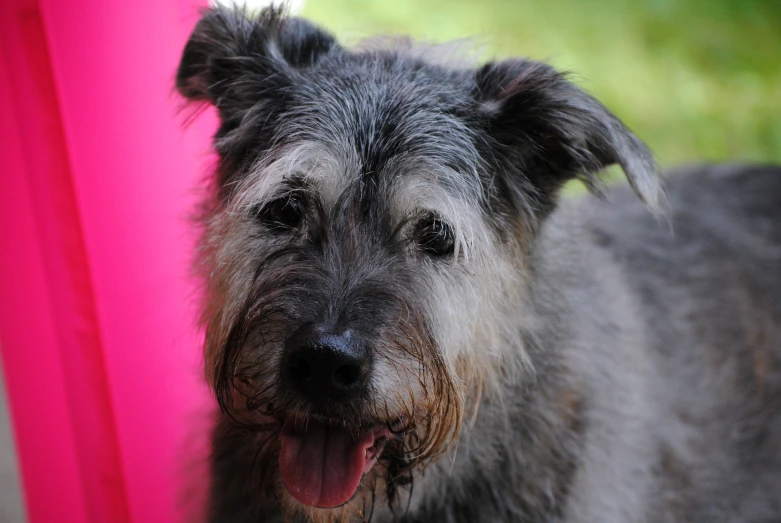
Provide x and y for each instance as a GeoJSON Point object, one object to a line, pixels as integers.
{"type": "Point", "coordinates": [324, 366]}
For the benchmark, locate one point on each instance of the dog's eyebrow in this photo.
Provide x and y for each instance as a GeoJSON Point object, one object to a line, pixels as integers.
{"type": "Point", "coordinates": [438, 181]}
{"type": "Point", "coordinates": [455, 197]}
{"type": "Point", "coordinates": [309, 163]}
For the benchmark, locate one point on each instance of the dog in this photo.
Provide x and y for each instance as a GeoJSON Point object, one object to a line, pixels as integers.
{"type": "Point", "coordinates": [405, 322]}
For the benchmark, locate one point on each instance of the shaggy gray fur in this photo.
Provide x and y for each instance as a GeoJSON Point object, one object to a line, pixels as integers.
{"type": "Point", "coordinates": [530, 359]}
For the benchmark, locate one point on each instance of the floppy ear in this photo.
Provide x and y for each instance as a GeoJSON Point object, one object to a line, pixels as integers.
{"type": "Point", "coordinates": [244, 65]}
{"type": "Point", "coordinates": [553, 131]}
{"type": "Point", "coordinates": [233, 59]}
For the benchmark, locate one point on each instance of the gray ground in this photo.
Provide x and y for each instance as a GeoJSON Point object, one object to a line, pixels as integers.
{"type": "Point", "coordinates": [11, 510]}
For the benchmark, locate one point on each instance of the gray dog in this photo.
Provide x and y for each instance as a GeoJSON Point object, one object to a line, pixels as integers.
{"type": "Point", "coordinates": [404, 323]}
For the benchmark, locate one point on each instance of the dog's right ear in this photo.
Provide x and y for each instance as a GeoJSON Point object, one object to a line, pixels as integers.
{"type": "Point", "coordinates": [235, 61]}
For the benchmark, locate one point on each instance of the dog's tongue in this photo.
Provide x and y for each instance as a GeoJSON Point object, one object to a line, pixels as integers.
{"type": "Point", "coordinates": [321, 465]}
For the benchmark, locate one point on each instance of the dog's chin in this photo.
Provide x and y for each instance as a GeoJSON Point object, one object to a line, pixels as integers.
{"type": "Point", "coordinates": [322, 464]}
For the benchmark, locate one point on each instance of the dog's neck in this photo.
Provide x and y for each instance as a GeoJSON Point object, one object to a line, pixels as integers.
{"type": "Point", "coordinates": [527, 454]}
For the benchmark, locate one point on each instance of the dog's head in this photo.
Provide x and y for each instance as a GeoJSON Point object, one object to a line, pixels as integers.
{"type": "Point", "coordinates": [365, 247]}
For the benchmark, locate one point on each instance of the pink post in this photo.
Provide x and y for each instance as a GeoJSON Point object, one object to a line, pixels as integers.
{"type": "Point", "coordinates": [97, 323]}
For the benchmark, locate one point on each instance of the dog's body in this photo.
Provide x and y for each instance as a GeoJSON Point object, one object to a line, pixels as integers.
{"type": "Point", "coordinates": [391, 280]}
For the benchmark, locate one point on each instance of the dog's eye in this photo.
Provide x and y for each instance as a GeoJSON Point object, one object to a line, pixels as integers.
{"type": "Point", "coordinates": [282, 214]}
{"type": "Point", "coordinates": [435, 237]}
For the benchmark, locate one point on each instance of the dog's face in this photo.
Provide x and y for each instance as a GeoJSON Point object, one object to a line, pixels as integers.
{"type": "Point", "coordinates": [365, 249]}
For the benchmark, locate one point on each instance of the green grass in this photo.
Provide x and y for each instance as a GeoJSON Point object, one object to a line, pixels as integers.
{"type": "Point", "coordinates": [697, 80]}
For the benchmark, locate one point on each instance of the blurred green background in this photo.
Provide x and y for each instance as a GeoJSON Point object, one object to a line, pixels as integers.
{"type": "Point", "coordinates": [697, 80]}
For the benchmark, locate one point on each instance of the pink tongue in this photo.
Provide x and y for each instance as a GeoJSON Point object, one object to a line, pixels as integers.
{"type": "Point", "coordinates": [323, 466]}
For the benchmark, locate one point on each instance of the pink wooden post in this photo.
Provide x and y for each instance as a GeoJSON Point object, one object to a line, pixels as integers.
{"type": "Point", "coordinates": [97, 323]}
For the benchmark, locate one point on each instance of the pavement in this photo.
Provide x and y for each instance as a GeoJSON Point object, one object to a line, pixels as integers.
{"type": "Point", "coordinates": [11, 508]}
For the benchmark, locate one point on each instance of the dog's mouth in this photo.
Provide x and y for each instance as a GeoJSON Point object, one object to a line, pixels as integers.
{"type": "Point", "coordinates": [322, 465]}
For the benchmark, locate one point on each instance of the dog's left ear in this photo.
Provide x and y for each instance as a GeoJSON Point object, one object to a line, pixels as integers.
{"type": "Point", "coordinates": [554, 131]}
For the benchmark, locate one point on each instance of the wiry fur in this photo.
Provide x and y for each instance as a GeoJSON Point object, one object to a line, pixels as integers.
{"type": "Point", "coordinates": [565, 363]}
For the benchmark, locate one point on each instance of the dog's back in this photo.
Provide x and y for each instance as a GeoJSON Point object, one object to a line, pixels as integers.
{"type": "Point", "coordinates": [709, 287]}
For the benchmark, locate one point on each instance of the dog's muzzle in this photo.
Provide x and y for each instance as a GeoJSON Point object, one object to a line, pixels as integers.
{"type": "Point", "coordinates": [323, 460]}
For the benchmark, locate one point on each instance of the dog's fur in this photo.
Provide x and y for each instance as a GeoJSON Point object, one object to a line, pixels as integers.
{"type": "Point", "coordinates": [565, 361]}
